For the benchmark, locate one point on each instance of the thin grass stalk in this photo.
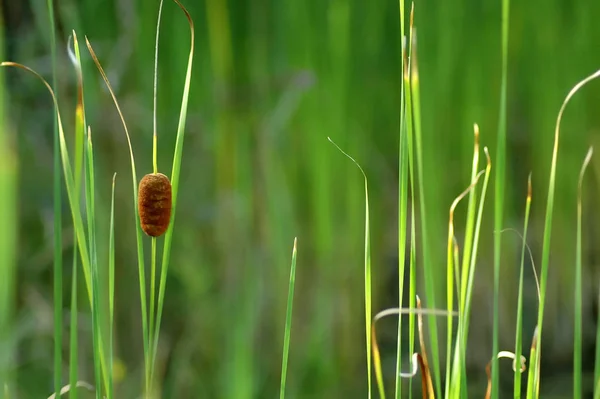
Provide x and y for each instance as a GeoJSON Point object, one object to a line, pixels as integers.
{"type": "Point", "coordinates": [428, 270]}
{"type": "Point", "coordinates": [451, 275]}
{"type": "Point", "coordinates": [410, 177]}
{"type": "Point", "coordinates": [549, 214]}
{"type": "Point", "coordinates": [174, 181]}
{"type": "Point", "coordinates": [8, 234]}
{"type": "Point", "coordinates": [473, 260]}
{"type": "Point", "coordinates": [78, 172]}
{"type": "Point", "coordinates": [91, 216]}
{"type": "Point", "coordinates": [155, 170]}
{"type": "Point", "coordinates": [519, 327]}
{"type": "Point", "coordinates": [577, 333]}
{"type": "Point", "coordinates": [367, 268]}
{"type": "Point", "coordinates": [402, 203]}
{"type": "Point", "coordinates": [111, 290]}
{"type": "Point", "coordinates": [288, 322]}
{"type": "Point", "coordinates": [597, 358]}
{"type": "Point", "coordinates": [57, 234]}
{"type": "Point", "coordinates": [499, 192]}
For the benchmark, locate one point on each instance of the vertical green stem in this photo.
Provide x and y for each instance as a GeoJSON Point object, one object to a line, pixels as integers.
{"type": "Point", "coordinates": [57, 224]}
{"type": "Point", "coordinates": [499, 193]}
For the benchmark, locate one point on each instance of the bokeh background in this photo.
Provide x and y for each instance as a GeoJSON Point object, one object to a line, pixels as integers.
{"type": "Point", "coordinates": [272, 79]}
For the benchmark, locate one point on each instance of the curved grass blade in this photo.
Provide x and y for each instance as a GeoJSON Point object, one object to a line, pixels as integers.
{"type": "Point", "coordinates": [451, 271]}
{"type": "Point", "coordinates": [550, 209]}
{"type": "Point", "coordinates": [367, 268]}
{"type": "Point", "coordinates": [174, 182]}
{"type": "Point", "coordinates": [91, 215]}
{"type": "Point", "coordinates": [578, 283]}
{"type": "Point", "coordinates": [417, 360]}
{"type": "Point", "coordinates": [506, 355]}
{"type": "Point", "coordinates": [288, 322]}
{"type": "Point", "coordinates": [519, 328]}
{"type": "Point", "coordinates": [68, 174]}
{"type": "Point", "coordinates": [70, 390]}
{"type": "Point", "coordinates": [138, 229]}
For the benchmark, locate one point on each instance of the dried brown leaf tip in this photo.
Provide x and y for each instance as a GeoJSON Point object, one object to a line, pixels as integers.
{"type": "Point", "coordinates": [154, 204]}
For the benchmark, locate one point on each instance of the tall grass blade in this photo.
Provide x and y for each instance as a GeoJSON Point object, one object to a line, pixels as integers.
{"type": "Point", "coordinates": [288, 322]}
{"type": "Point", "coordinates": [91, 216]}
{"type": "Point", "coordinates": [78, 172]}
{"type": "Point", "coordinates": [155, 170]}
{"type": "Point", "coordinates": [367, 269]}
{"type": "Point", "coordinates": [500, 184]}
{"type": "Point", "coordinates": [451, 272]}
{"type": "Point", "coordinates": [428, 268]}
{"type": "Point", "coordinates": [111, 290]}
{"type": "Point", "coordinates": [174, 182]}
{"type": "Point", "coordinates": [549, 212]}
{"type": "Point", "coordinates": [57, 236]}
{"type": "Point", "coordinates": [402, 203]}
{"type": "Point", "coordinates": [519, 327]}
{"type": "Point", "coordinates": [578, 283]}
{"type": "Point", "coordinates": [8, 234]}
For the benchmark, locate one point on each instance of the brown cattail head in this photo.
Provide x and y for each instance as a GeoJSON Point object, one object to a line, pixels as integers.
{"type": "Point", "coordinates": [154, 204]}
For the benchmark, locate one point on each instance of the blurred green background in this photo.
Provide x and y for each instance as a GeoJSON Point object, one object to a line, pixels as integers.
{"type": "Point", "coordinates": [271, 80]}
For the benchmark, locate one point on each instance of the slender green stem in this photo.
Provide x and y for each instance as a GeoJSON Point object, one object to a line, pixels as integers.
{"type": "Point", "coordinates": [367, 280]}
{"type": "Point", "coordinates": [288, 322]}
{"type": "Point", "coordinates": [519, 328]}
{"type": "Point", "coordinates": [577, 333]}
{"type": "Point", "coordinates": [402, 205]}
{"type": "Point", "coordinates": [73, 342]}
{"type": "Point", "coordinates": [111, 289]}
{"type": "Point", "coordinates": [154, 108]}
{"type": "Point", "coordinates": [58, 263]}
{"type": "Point", "coordinates": [152, 300]}
{"type": "Point", "coordinates": [499, 193]}
{"type": "Point", "coordinates": [91, 213]}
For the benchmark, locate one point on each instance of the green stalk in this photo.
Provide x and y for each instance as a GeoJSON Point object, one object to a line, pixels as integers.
{"type": "Point", "coordinates": [111, 290]}
{"type": "Point", "coordinates": [519, 328]}
{"type": "Point", "coordinates": [428, 269]}
{"type": "Point", "coordinates": [578, 283]}
{"type": "Point", "coordinates": [499, 193]}
{"type": "Point", "coordinates": [155, 170]}
{"type": "Point", "coordinates": [57, 199]}
{"type": "Point", "coordinates": [8, 235]}
{"type": "Point", "coordinates": [288, 322]}
{"type": "Point", "coordinates": [78, 163]}
{"type": "Point", "coordinates": [411, 177]}
{"type": "Point", "coordinates": [451, 273]}
{"type": "Point", "coordinates": [91, 216]}
{"type": "Point", "coordinates": [367, 270]}
{"type": "Point", "coordinates": [402, 205]}
{"type": "Point", "coordinates": [549, 213]}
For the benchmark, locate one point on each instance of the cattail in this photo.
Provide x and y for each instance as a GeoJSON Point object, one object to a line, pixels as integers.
{"type": "Point", "coordinates": [154, 204]}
